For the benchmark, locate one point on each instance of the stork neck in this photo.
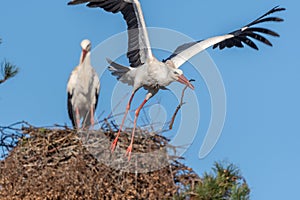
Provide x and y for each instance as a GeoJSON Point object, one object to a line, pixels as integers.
{"type": "Point", "coordinates": [85, 57]}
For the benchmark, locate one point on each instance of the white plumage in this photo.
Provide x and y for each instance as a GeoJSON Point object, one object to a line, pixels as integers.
{"type": "Point", "coordinates": [146, 71]}
{"type": "Point", "coordinates": [83, 90]}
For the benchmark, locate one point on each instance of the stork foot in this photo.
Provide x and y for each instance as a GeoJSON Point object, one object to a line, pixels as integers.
{"type": "Point", "coordinates": [114, 144]}
{"type": "Point", "coordinates": [128, 152]}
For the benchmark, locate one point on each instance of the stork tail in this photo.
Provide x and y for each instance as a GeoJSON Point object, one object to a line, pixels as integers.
{"type": "Point", "coordinates": [117, 69]}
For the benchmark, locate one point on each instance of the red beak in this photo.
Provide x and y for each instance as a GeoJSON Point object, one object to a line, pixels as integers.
{"type": "Point", "coordinates": [84, 52]}
{"type": "Point", "coordinates": [182, 79]}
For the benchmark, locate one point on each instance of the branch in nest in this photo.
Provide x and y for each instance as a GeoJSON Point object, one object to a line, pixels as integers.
{"type": "Point", "coordinates": [9, 137]}
{"type": "Point", "coordinates": [179, 106]}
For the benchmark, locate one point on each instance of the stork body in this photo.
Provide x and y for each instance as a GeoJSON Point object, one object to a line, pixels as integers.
{"type": "Point", "coordinates": [83, 90]}
{"type": "Point", "coordinates": [146, 71]}
{"type": "Point", "coordinates": [152, 76]}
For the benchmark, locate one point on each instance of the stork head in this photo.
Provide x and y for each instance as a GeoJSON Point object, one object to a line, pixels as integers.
{"type": "Point", "coordinates": [177, 75]}
{"type": "Point", "coordinates": [86, 47]}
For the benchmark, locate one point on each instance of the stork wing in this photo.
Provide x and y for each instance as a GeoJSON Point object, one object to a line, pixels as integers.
{"type": "Point", "coordinates": [234, 39]}
{"type": "Point", "coordinates": [138, 42]}
{"type": "Point", "coordinates": [70, 90]}
{"type": "Point", "coordinates": [96, 87]}
{"type": "Point", "coordinates": [70, 110]}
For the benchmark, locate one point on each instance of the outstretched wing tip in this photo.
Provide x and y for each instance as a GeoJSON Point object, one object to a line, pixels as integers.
{"type": "Point", "coordinates": [108, 60]}
{"type": "Point", "coordinates": [279, 8]}
{"type": "Point", "coordinates": [74, 2]}
{"type": "Point", "coordinates": [249, 31]}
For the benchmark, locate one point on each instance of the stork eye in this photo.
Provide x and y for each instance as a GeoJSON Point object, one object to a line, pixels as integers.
{"type": "Point", "coordinates": [176, 73]}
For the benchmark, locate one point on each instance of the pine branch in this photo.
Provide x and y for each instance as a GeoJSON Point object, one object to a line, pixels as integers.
{"type": "Point", "coordinates": [224, 183]}
{"type": "Point", "coordinates": [8, 71]}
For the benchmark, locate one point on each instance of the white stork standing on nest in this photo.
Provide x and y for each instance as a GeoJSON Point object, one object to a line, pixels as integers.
{"type": "Point", "coordinates": [148, 72]}
{"type": "Point", "coordinates": [83, 90]}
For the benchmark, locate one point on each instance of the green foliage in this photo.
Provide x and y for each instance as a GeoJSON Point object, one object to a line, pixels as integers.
{"type": "Point", "coordinates": [8, 70]}
{"type": "Point", "coordinates": [223, 183]}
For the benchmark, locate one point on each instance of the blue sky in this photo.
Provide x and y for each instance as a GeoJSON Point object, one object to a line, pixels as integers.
{"type": "Point", "coordinates": [261, 132]}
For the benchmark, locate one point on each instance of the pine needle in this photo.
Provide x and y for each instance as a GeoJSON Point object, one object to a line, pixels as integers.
{"type": "Point", "coordinates": [8, 71]}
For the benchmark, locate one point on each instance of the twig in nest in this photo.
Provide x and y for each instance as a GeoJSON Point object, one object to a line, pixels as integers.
{"type": "Point", "coordinates": [179, 106]}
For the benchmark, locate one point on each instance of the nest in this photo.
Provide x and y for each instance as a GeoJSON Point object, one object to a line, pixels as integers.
{"type": "Point", "coordinates": [61, 163]}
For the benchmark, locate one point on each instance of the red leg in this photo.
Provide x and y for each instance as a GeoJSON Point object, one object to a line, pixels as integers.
{"type": "Point", "coordinates": [114, 144]}
{"type": "Point", "coordinates": [77, 118]}
{"type": "Point", "coordinates": [92, 117]}
{"type": "Point", "coordinates": [137, 112]}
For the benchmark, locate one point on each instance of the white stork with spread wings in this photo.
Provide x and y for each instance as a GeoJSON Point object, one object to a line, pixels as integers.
{"type": "Point", "coordinates": [148, 72]}
{"type": "Point", "coordinates": [83, 90]}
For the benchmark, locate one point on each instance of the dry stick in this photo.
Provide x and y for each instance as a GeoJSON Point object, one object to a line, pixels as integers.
{"type": "Point", "coordinates": [179, 106]}
{"type": "Point", "coordinates": [113, 181]}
